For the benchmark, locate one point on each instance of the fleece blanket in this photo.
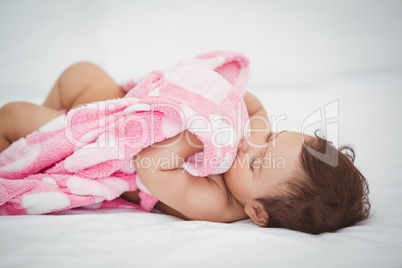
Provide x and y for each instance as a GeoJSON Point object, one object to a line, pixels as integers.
{"type": "Point", "coordinates": [85, 158]}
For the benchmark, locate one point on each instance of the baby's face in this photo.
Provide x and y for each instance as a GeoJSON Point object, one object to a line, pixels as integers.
{"type": "Point", "coordinates": [259, 169]}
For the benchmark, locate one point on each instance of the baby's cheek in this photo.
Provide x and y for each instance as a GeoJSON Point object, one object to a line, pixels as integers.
{"type": "Point", "coordinates": [273, 161]}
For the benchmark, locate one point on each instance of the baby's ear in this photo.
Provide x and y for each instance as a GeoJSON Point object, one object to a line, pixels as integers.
{"type": "Point", "coordinates": [256, 211]}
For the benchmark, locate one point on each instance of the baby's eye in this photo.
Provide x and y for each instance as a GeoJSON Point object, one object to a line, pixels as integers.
{"type": "Point", "coordinates": [252, 162]}
{"type": "Point", "coordinates": [269, 136]}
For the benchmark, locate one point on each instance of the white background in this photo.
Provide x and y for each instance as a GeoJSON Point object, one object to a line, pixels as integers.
{"type": "Point", "coordinates": [287, 41]}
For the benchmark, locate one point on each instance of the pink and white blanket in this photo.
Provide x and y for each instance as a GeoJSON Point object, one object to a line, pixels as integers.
{"type": "Point", "coordinates": [85, 158]}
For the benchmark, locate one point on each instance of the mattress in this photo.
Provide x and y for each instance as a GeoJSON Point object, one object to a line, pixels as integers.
{"type": "Point", "coordinates": [306, 58]}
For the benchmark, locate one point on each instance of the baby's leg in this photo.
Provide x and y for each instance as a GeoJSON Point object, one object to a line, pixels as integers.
{"type": "Point", "coordinates": [82, 83]}
{"type": "Point", "coordinates": [18, 119]}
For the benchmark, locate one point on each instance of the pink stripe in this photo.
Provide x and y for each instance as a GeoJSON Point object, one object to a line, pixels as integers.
{"type": "Point", "coordinates": [197, 102]}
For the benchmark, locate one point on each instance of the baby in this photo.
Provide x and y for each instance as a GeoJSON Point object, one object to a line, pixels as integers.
{"type": "Point", "coordinates": [281, 179]}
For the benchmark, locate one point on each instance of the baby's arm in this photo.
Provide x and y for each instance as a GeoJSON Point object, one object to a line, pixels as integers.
{"type": "Point", "coordinates": [197, 198]}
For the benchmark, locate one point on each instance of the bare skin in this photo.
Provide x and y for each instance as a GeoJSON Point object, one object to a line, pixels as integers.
{"type": "Point", "coordinates": [80, 83]}
{"type": "Point", "coordinates": [208, 198]}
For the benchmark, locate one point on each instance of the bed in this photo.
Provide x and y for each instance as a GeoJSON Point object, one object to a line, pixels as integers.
{"type": "Point", "coordinates": [339, 60]}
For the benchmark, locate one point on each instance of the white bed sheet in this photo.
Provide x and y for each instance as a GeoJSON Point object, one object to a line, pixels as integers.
{"type": "Point", "coordinates": [361, 72]}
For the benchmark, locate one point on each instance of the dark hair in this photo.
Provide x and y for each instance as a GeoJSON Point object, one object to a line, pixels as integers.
{"type": "Point", "coordinates": [325, 197]}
